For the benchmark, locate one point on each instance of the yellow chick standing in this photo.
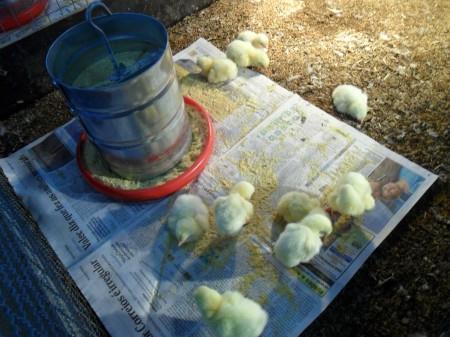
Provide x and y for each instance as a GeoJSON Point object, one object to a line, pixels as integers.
{"type": "Point", "coordinates": [245, 55]}
{"type": "Point", "coordinates": [188, 218]}
{"type": "Point", "coordinates": [294, 206]}
{"type": "Point", "coordinates": [233, 211]}
{"type": "Point", "coordinates": [217, 70]}
{"type": "Point", "coordinates": [230, 314]}
{"type": "Point", "coordinates": [352, 195]}
{"type": "Point", "coordinates": [300, 242]}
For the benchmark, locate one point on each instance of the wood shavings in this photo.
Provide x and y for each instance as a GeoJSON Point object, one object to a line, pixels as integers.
{"type": "Point", "coordinates": [214, 100]}
{"type": "Point", "coordinates": [261, 269]}
{"type": "Point", "coordinates": [335, 11]}
{"type": "Point", "coordinates": [259, 170]}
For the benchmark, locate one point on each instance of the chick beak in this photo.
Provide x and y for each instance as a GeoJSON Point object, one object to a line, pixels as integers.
{"type": "Point", "coordinates": [183, 241]}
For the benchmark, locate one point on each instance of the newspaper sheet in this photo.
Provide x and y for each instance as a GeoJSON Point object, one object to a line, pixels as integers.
{"type": "Point", "coordinates": [131, 270]}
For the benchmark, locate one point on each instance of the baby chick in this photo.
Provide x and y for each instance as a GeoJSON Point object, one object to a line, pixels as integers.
{"type": "Point", "coordinates": [244, 54]}
{"type": "Point", "coordinates": [217, 70]}
{"type": "Point", "coordinates": [319, 222]}
{"type": "Point", "coordinates": [294, 206]}
{"type": "Point", "coordinates": [188, 218]}
{"type": "Point", "coordinates": [244, 188]}
{"type": "Point", "coordinates": [257, 40]}
{"type": "Point", "coordinates": [300, 242]}
{"type": "Point", "coordinates": [350, 100]}
{"type": "Point", "coordinates": [230, 314]}
{"type": "Point", "coordinates": [234, 211]}
{"type": "Point", "coordinates": [297, 244]}
{"type": "Point", "coordinates": [352, 195]}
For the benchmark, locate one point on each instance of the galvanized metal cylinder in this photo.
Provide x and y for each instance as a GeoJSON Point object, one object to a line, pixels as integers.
{"type": "Point", "coordinates": [137, 122]}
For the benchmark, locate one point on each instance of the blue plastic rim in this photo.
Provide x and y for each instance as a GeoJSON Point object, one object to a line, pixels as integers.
{"type": "Point", "coordinates": [84, 36]}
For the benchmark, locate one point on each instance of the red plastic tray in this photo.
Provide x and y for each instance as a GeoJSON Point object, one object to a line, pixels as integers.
{"type": "Point", "coordinates": [8, 22]}
{"type": "Point", "coordinates": [162, 190]}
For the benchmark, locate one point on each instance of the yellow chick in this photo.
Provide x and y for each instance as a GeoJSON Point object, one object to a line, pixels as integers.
{"type": "Point", "coordinates": [244, 188]}
{"type": "Point", "coordinates": [352, 195]}
{"type": "Point", "coordinates": [188, 218]}
{"type": "Point", "coordinates": [244, 54]}
{"type": "Point", "coordinates": [350, 100]}
{"type": "Point", "coordinates": [300, 242]}
{"type": "Point", "coordinates": [217, 70]}
{"type": "Point", "coordinates": [294, 206]}
{"type": "Point", "coordinates": [257, 40]}
{"type": "Point", "coordinates": [319, 222]}
{"type": "Point", "coordinates": [233, 211]}
{"type": "Point", "coordinates": [230, 314]}
{"type": "Point", "coordinates": [297, 244]}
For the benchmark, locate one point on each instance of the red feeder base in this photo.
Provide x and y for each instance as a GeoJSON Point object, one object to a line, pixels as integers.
{"type": "Point", "coordinates": [8, 21]}
{"type": "Point", "coordinates": [164, 189]}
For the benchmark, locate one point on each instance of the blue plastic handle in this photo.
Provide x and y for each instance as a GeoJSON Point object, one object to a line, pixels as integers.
{"type": "Point", "coordinates": [93, 5]}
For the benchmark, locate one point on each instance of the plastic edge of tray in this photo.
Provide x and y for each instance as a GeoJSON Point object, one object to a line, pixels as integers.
{"type": "Point", "coordinates": [23, 17]}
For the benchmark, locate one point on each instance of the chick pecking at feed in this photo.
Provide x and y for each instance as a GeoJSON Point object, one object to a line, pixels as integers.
{"type": "Point", "coordinates": [188, 218]}
{"type": "Point", "coordinates": [244, 54]}
{"type": "Point", "coordinates": [233, 211]}
{"type": "Point", "coordinates": [294, 206]}
{"type": "Point", "coordinates": [352, 195]}
{"type": "Point", "coordinates": [258, 40]}
{"type": "Point", "coordinates": [300, 242]}
{"type": "Point", "coordinates": [230, 314]}
{"type": "Point", "coordinates": [350, 100]}
{"type": "Point", "coordinates": [217, 70]}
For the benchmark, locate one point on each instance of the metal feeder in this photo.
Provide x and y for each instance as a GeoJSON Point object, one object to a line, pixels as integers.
{"type": "Point", "coordinates": [117, 74]}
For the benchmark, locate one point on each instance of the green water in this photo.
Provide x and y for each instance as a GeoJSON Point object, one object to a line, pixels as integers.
{"type": "Point", "coordinates": [94, 67]}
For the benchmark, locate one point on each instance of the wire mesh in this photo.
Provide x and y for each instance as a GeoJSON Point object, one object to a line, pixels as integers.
{"type": "Point", "coordinates": [55, 11]}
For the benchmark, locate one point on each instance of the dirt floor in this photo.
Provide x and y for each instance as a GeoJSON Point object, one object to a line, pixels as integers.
{"type": "Point", "coordinates": [396, 50]}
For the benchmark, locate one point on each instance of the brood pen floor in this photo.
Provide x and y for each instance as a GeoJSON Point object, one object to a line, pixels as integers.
{"type": "Point", "coordinates": [398, 51]}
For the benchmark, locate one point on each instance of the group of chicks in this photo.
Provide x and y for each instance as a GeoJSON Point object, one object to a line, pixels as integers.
{"type": "Point", "coordinates": [248, 50]}
{"type": "Point", "coordinates": [189, 217]}
{"type": "Point", "coordinates": [308, 223]}
{"type": "Point", "coordinates": [231, 314]}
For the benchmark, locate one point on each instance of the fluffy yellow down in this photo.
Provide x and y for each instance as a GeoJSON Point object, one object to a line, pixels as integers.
{"type": "Point", "coordinates": [297, 244]}
{"type": "Point", "coordinates": [319, 222]}
{"type": "Point", "coordinates": [258, 40]}
{"type": "Point", "coordinates": [232, 212]}
{"type": "Point", "coordinates": [188, 218]}
{"type": "Point", "coordinates": [245, 55]}
{"type": "Point", "coordinates": [244, 188]}
{"type": "Point", "coordinates": [294, 206]}
{"type": "Point", "coordinates": [230, 314]}
{"type": "Point", "coordinates": [352, 195]}
{"type": "Point", "coordinates": [217, 70]}
{"type": "Point", "coordinates": [300, 242]}
{"type": "Point", "coordinates": [350, 100]}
